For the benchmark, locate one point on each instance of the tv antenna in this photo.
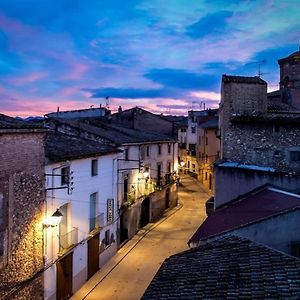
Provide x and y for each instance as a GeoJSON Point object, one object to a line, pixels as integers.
{"type": "Point", "coordinates": [107, 101]}
{"type": "Point", "coordinates": [259, 64]}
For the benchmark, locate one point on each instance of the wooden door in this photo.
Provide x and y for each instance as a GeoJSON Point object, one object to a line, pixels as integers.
{"type": "Point", "coordinates": [145, 212]}
{"type": "Point", "coordinates": [64, 276]}
{"type": "Point", "coordinates": [167, 198]}
{"type": "Point", "coordinates": [93, 255]}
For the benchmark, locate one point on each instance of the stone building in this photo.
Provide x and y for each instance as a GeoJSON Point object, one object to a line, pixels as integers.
{"type": "Point", "coordinates": [208, 150]}
{"type": "Point", "coordinates": [260, 133]}
{"type": "Point", "coordinates": [21, 209]}
{"type": "Point", "coordinates": [138, 118]}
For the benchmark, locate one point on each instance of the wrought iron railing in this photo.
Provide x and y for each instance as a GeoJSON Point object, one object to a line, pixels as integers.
{"type": "Point", "coordinates": [97, 222]}
{"type": "Point", "coordinates": [68, 239]}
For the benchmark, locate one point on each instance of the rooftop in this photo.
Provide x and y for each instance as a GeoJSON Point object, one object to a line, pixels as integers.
{"type": "Point", "coordinates": [244, 210]}
{"type": "Point", "coordinates": [61, 147]}
{"type": "Point", "coordinates": [212, 123]}
{"type": "Point", "coordinates": [243, 79]}
{"type": "Point", "coordinates": [293, 56]}
{"type": "Point", "coordinates": [227, 268]}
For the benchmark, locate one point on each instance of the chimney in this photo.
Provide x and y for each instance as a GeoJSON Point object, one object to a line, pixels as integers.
{"type": "Point", "coordinates": [120, 109]}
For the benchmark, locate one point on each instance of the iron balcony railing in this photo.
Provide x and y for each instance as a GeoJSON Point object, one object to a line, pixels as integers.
{"type": "Point", "coordinates": [68, 239]}
{"type": "Point", "coordinates": [97, 222]}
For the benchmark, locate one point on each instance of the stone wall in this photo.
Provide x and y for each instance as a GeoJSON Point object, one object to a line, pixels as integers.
{"type": "Point", "coordinates": [251, 135]}
{"type": "Point", "coordinates": [22, 187]}
{"type": "Point", "coordinates": [158, 202]}
{"type": "Point", "coordinates": [137, 118]}
{"type": "Point", "coordinates": [263, 144]}
{"type": "Point", "coordinates": [290, 68]}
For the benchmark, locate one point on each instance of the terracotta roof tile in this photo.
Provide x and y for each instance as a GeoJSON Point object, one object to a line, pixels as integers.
{"type": "Point", "coordinates": [249, 208]}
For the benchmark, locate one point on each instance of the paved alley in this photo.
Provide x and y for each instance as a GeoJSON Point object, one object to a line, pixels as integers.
{"type": "Point", "coordinates": [130, 271]}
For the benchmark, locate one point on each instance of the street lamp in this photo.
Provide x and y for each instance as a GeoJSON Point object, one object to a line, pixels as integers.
{"type": "Point", "coordinates": [54, 220]}
{"type": "Point", "coordinates": [146, 174]}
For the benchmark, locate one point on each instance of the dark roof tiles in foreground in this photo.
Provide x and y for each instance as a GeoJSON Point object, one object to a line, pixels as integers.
{"type": "Point", "coordinates": [227, 268]}
{"type": "Point", "coordinates": [247, 209]}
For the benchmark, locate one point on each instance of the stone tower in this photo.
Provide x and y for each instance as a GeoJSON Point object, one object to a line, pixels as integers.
{"type": "Point", "coordinates": [290, 71]}
{"type": "Point", "coordinates": [241, 96]}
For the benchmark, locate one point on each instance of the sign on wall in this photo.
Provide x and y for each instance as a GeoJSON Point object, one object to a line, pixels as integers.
{"type": "Point", "coordinates": [110, 210]}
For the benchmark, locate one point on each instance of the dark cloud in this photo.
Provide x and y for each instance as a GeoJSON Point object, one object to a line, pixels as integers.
{"type": "Point", "coordinates": [182, 79]}
{"type": "Point", "coordinates": [211, 24]}
{"type": "Point", "coordinates": [132, 93]}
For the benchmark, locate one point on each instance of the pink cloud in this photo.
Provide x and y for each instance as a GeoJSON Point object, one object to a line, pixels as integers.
{"type": "Point", "coordinates": [76, 72]}
{"type": "Point", "coordinates": [25, 79]}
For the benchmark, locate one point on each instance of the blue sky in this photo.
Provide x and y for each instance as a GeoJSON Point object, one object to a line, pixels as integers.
{"type": "Point", "coordinates": [165, 56]}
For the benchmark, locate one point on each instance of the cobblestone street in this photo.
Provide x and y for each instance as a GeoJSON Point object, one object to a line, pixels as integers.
{"type": "Point", "coordinates": [130, 271]}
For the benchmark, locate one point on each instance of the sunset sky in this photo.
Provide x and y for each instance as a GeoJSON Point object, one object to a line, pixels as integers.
{"type": "Point", "coordinates": [163, 55]}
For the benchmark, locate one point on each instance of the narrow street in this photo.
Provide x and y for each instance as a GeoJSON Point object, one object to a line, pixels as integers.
{"type": "Point", "coordinates": [129, 273]}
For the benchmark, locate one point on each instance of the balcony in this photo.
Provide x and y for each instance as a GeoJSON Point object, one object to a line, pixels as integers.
{"type": "Point", "coordinates": [97, 222]}
{"type": "Point", "coordinates": [68, 240]}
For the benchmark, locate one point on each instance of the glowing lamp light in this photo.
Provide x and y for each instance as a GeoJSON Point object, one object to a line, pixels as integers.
{"type": "Point", "coordinates": [146, 174]}
{"type": "Point", "coordinates": [182, 163]}
{"type": "Point", "coordinates": [54, 220]}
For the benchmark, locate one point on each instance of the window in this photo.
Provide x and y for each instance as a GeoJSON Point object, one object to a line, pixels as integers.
{"type": "Point", "coordinates": [107, 238]}
{"type": "Point", "coordinates": [159, 175]}
{"type": "Point", "coordinates": [206, 140]}
{"type": "Point", "coordinates": [169, 167]}
{"type": "Point", "coordinates": [159, 149]}
{"type": "Point", "coordinates": [206, 176]}
{"type": "Point", "coordinates": [277, 153]}
{"type": "Point", "coordinates": [93, 210]}
{"type": "Point", "coordinates": [295, 249]}
{"type": "Point", "coordinates": [94, 167]}
{"type": "Point", "coordinates": [295, 156]}
{"type": "Point", "coordinates": [148, 151]}
{"type": "Point", "coordinates": [65, 173]}
{"type": "Point", "coordinates": [183, 130]}
{"type": "Point", "coordinates": [126, 154]}
{"type": "Point", "coordinates": [193, 129]}
{"type": "Point", "coordinates": [169, 148]}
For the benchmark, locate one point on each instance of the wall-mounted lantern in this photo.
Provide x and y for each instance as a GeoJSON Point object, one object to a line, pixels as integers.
{"type": "Point", "coordinates": [146, 174]}
{"type": "Point", "coordinates": [182, 163]}
{"type": "Point", "coordinates": [54, 220]}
